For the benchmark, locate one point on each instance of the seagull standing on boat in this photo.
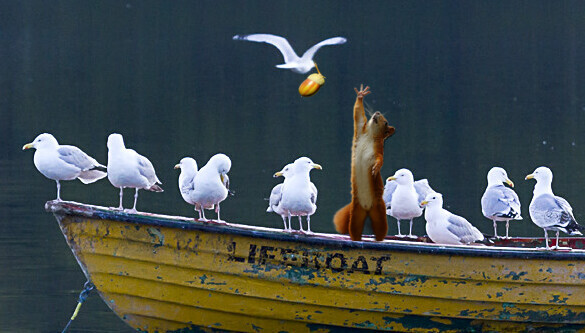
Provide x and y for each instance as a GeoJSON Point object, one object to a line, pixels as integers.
{"type": "Point", "coordinates": [291, 60]}
{"type": "Point", "coordinates": [444, 227]}
{"type": "Point", "coordinates": [299, 195]}
{"type": "Point", "coordinates": [403, 195]}
{"type": "Point", "coordinates": [127, 168]}
{"type": "Point", "coordinates": [63, 162]}
{"type": "Point", "coordinates": [189, 170]}
{"type": "Point", "coordinates": [548, 211]}
{"type": "Point", "coordinates": [211, 185]}
{"type": "Point", "coordinates": [498, 202]}
{"type": "Point", "coordinates": [275, 201]}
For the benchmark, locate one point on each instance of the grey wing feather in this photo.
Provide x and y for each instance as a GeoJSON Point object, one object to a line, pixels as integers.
{"type": "Point", "coordinates": [422, 188]}
{"type": "Point", "coordinates": [389, 189]}
{"type": "Point", "coordinates": [464, 230]}
{"type": "Point", "coordinates": [279, 42]}
{"type": "Point", "coordinates": [146, 169]}
{"type": "Point", "coordinates": [330, 41]}
{"type": "Point", "coordinates": [76, 157]}
{"type": "Point", "coordinates": [564, 204]}
{"type": "Point", "coordinates": [500, 201]}
{"type": "Point", "coordinates": [313, 193]}
{"type": "Point", "coordinates": [547, 211]}
{"type": "Point", "coordinates": [275, 197]}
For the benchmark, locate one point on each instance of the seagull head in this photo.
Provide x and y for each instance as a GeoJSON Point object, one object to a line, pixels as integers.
{"type": "Point", "coordinates": [402, 177]}
{"type": "Point", "coordinates": [305, 164]}
{"type": "Point", "coordinates": [287, 171]}
{"type": "Point", "coordinates": [44, 140]}
{"type": "Point", "coordinates": [497, 176]}
{"type": "Point", "coordinates": [115, 142]}
{"type": "Point", "coordinates": [222, 162]}
{"type": "Point", "coordinates": [433, 200]}
{"type": "Point", "coordinates": [187, 163]}
{"type": "Point", "coordinates": [541, 174]}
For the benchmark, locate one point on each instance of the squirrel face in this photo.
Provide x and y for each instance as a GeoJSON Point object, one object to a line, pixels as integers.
{"type": "Point", "coordinates": [379, 126]}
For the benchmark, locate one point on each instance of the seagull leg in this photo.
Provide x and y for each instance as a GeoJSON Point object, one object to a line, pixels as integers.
{"type": "Point", "coordinates": [309, 224]}
{"type": "Point", "coordinates": [217, 211]}
{"type": "Point", "coordinates": [121, 195]}
{"type": "Point", "coordinates": [301, 224]}
{"type": "Point", "coordinates": [556, 246]}
{"type": "Point", "coordinates": [410, 235]}
{"type": "Point", "coordinates": [507, 226]}
{"type": "Point", "coordinates": [133, 210]}
{"type": "Point", "coordinates": [399, 234]}
{"type": "Point", "coordinates": [495, 229]}
{"type": "Point", "coordinates": [58, 190]}
{"type": "Point", "coordinates": [546, 239]}
{"type": "Point", "coordinates": [284, 220]}
{"type": "Point", "coordinates": [202, 212]}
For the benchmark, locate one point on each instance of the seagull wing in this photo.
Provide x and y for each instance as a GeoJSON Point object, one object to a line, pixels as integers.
{"type": "Point", "coordinates": [146, 169]}
{"type": "Point", "coordinates": [548, 211]}
{"type": "Point", "coordinates": [463, 230]}
{"type": "Point", "coordinates": [331, 41]}
{"type": "Point", "coordinates": [500, 201]}
{"type": "Point", "coordinates": [275, 197]}
{"type": "Point", "coordinates": [422, 188]}
{"type": "Point", "coordinates": [313, 193]}
{"type": "Point", "coordinates": [76, 157]}
{"type": "Point", "coordinates": [565, 206]}
{"type": "Point", "coordinates": [389, 189]}
{"type": "Point", "coordinates": [279, 42]}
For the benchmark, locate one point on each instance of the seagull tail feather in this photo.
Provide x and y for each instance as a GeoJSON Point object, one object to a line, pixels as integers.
{"type": "Point", "coordinates": [155, 188]}
{"type": "Point", "coordinates": [91, 176]}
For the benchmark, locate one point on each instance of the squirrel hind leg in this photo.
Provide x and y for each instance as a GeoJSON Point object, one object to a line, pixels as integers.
{"type": "Point", "coordinates": [341, 220]}
{"type": "Point", "coordinates": [379, 221]}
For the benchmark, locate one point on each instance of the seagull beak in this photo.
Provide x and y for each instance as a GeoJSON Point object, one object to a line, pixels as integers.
{"type": "Point", "coordinates": [509, 182]}
{"type": "Point", "coordinates": [390, 178]}
{"type": "Point", "coordinates": [278, 174]}
{"type": "Point", "coordinates": [28, 146]}
{"type": "Point", "coordinates": [221, 177]}
{"type": "Point", "coordinates": [317, 166]}
{"type": "Point", "coordinates": [178, 166]}
{"type": "Point", "coordinates": [530, 176]}
{"type": "Point", "coordinates": [424, 203]}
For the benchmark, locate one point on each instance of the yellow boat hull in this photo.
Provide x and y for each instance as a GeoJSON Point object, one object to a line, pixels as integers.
{"type": "Point", "coordinates": [161, 273]}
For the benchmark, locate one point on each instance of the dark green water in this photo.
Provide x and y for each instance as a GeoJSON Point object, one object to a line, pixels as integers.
{"type": "Point", "coordinates": [467, 84]}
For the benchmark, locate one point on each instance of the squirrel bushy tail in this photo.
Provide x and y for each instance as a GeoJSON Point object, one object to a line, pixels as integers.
{"type": "Point", "coordinates": [341, 219]}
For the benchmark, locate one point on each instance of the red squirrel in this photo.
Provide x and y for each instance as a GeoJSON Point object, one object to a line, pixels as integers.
{"type": "Point", "coordinates": [367, 187]}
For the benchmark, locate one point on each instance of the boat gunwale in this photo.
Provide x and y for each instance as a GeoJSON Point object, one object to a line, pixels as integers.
{"type": "Point", "coordinates": [331, 240]}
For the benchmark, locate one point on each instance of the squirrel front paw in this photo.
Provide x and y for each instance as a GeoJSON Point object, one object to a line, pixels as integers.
{"type": "Point", "coordinates": [362, 92]}
{"type": "Point", "coordinates": [376, 169]}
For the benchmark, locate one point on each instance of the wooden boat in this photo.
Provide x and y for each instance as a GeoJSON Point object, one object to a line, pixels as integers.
{"type": "Point", "coordinates": [164, 273]}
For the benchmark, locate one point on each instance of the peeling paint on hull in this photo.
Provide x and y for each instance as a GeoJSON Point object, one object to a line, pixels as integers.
{"type": "Point", "coordinates": [171, 274]}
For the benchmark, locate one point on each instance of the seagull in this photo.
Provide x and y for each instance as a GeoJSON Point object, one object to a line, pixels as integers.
{"type": "Point", "coordinates": [549, 211]}
{"type": "Point", "coordinates": [127, 168]}
{"type": "Point", "coordinates": [275, 201]}
{"type": "Point", "coordinates": [498, 202]}
{"type": "Point", "coordinates": [402, 196]}
{"type": "Point", "coordinates": [444, 227]}
{"type": "Point", "coordinates": [211, 185]}
{"type": "Point", "coordinates": [299, 195]}
{"type": "Point", "coordinates": [63, 162]}
{"type": "Point", "coordinates": [189, 170]}
{"type": "Point", "coordinates": [292, 61]}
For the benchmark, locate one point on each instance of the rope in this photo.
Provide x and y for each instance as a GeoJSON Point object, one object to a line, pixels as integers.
{"type": "Point", "coordinates": [87, 288]}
